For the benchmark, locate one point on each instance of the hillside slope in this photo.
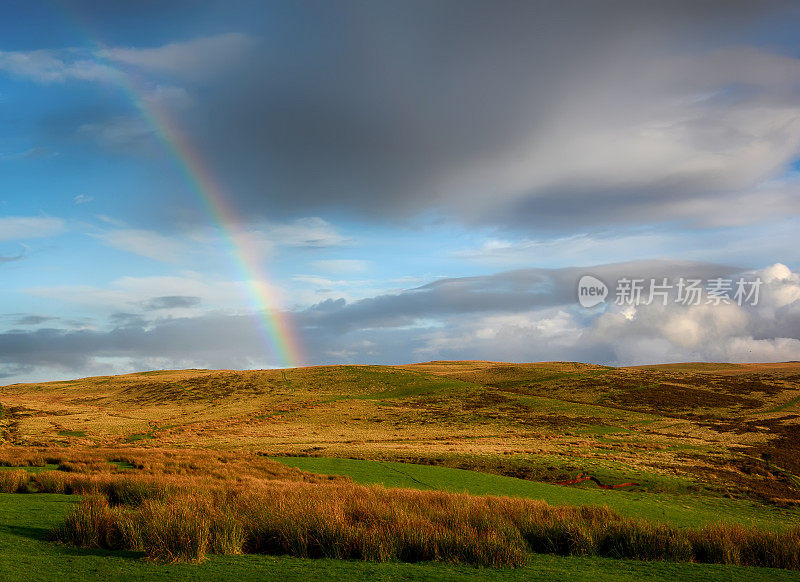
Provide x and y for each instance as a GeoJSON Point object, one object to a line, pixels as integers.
{"type": "Point", "coordinates": [726, 428]}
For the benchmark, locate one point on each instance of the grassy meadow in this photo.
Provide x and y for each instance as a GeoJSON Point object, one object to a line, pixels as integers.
{"type": "Point", "coordinates": [441, 470]}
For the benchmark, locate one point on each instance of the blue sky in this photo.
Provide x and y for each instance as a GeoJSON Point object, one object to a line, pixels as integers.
{"type": "Point", "coordinates": [419, 180]}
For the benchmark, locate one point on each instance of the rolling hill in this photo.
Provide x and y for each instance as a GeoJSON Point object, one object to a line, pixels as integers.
{"type": "Point", "coordinates": [719, 429]}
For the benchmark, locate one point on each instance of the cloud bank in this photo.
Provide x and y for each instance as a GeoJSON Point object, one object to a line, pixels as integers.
{"type": "Point", "coordinates": [523, 315]}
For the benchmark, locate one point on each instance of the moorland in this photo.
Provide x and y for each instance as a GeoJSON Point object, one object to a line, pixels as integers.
{"type": "Point", "coordinates": [439, 470]}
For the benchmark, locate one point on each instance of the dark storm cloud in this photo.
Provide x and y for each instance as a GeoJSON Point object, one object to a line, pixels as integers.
{"type": "Point", "coordinates": [572, 115]}
{"type": "Point", "coordinates": [556, 115]}
{"type": "Point", "coordinates": [170, 302]}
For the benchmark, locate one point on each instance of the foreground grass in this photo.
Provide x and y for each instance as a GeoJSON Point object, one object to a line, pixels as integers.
{"type": "Point", "coordinates": [184, 505]}
{"type": "Point", "coordinates": [26, 555]}
{"type": "Point", "coordinates": [679, 510]}
{"type": "Point", "coordinates": [179, 520]}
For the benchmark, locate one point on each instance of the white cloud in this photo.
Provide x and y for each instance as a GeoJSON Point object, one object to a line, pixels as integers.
{"type": "Point", "coordinates": [194, 59]}
{"type": "Point", "coordinates": [583, 249]}
{"type": "Point", "coordinates": [197, 58]}
{"type": "Point", "coordinates": [509, 336]}
{"type": "Point", "coordinates": [311, 289]}
{"type": "Point", "coordinates": [82, 199]}
{"type": "Point", "coordinates": [145, 243]}
{"type": "Point", "coordinates": [431, 322]}
{"type": "Point", "coordinates": [111, 220]}
{"type": "Point", "coordinates": [318, 281]}
{"type": "Point", "coordinates": [261, 241]}
{"type": "Point", "coordinates": [768, 331]}
{"type": "Point", "coordinates": [55, 66]}
{"type": "Point", "coordinates": [123, 131]}
{"type": "Point", "coordinates": [311, 232]}
{"type": "Point", "coordinates": [128, 294]}
{"type": "Point", "coordinates": [30, 153]}
{"type": "Point", "coordinates": [257, 245]}
{"type": "Point", "coordinates": [25, 227]}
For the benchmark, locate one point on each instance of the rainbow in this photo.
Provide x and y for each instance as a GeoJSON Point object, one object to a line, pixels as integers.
{"type": "Point", "coordinates": [274, 326]}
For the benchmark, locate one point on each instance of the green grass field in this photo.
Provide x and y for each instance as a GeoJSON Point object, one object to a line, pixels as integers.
{"type": "Point", "coordinates": [25, 554]}
{"type": "Point", "coordinates": [678, 510]}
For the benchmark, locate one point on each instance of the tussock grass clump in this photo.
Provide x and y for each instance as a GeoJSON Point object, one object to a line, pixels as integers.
{"type": "Point", "coordinates": [21, 457]}
{"type": "Point", "coordinates": [371, 523]}
{"type": "Point", "coordinates": [67, 459]}
{"type": "Point", "coordinates": [590, 531]}
{"type": "Point", "coordinates": [54, 482]}
{"type": "Point", "coordinates": [170, 531]}
{"type": "Point", "coordinates": [14, 481]}
{"type": "Point", "coordinates": [272, 517]}
{"type": "Point", "coordinates": [349, 521]}
{"type": "Point", "coordinates": [94, 524]}
{"type": "Point", "coordinates": [117, 489]}
{"type": "Point", "coordinates": [594, 531]}
{"type": "Point", "coordinates": [747, 547]}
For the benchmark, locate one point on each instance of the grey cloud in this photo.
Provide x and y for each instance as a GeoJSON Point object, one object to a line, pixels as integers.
{"type": "Point", "coordinates": [508, 292]}
{"type": "Point", "coordinates": [12, 259]}
{"type": "Point", "coordinates": [34, 319]}
{"type": "Point", "coordinates": [122, 319]}
{"type": "Point", "coordinates": [527, 314]}
{"type": "Point", "coordinates": [170, 302]}
{"type": "Point", "coordinates": [218, 340]}
{"type": "Point", "coordinates": [549, 115]}
{"type": "Point", "coordinates": [565, 116]}
{"type": "Point", "coordinates": [562, 116]}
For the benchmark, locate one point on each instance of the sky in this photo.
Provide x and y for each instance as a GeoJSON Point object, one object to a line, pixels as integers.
{"type": "Point", "coordinates": [234, 184]}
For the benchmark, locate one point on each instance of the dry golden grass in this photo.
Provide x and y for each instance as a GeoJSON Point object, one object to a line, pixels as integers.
{"type": "Point", "coordinates": [566, 414]}
{"type": "Point", "coordinates": [74, 464]}
{"type": "Point", "coordinates": [179, 522]}
{"type": "Point", "coordinates": [13, 481]}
